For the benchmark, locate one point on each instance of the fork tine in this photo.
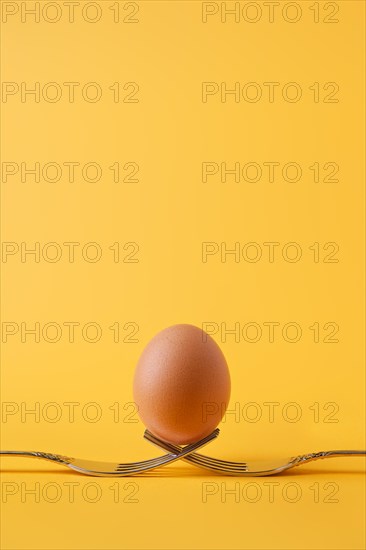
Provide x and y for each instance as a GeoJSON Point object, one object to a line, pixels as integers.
{"type": "Point", "coordinates": [216, 465]}
{"type": "Point", "coordinates": [142, 463]}
{"type": "Point", "coordinates": [172, 453]}
{"type": "Point", "coordinates": [194, 458]}
{"type": "Point", "coordinates": [135, 468]}
{"type": "Point", "coordinates": [198, 459]}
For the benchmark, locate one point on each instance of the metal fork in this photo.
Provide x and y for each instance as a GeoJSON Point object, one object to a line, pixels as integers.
{"type": "Point", "coordinates": [251, 468]}
{"type": "Point", "coordinates": [95, 468]}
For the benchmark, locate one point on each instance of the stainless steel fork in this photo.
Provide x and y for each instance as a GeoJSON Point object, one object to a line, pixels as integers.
{"type": "Point", "coordinates": [175, 452]}
{"type": "Point", "coordinates": [95, 468]}
{"type": "Point", "coordinates": [252, 467]}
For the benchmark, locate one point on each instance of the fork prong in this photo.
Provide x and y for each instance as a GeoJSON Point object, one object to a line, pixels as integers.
{"type": "Point", "coordinates": [135, 468]}
{"type": "Point", "coordinates": [198, 459]}
{"type": "Point", "coordinates": [123, 465]}
{"type": "Point", "coordinates": [157, 460]}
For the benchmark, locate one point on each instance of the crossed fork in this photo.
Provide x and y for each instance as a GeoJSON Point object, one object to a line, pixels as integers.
{"type": "Point", "coordinates": [186, 453]}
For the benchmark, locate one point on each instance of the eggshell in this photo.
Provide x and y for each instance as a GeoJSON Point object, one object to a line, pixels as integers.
{"type": "Point", "coordinates": [182, 384]}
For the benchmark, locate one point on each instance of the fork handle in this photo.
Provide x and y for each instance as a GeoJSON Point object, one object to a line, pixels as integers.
{"type": "Point", "coordinates": [326, 454]}
{"type": "Point", "coordinates": [18, 453]}
{"type": "Point", "coordinates": [345, 453]}
{"type": "Point", "coordinates": [38, 454]}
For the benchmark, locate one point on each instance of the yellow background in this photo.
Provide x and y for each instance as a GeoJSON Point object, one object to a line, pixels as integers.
{"type": "Point", "coordinates": [169, 213]}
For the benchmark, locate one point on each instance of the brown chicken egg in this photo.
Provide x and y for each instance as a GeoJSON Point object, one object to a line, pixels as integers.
{"type": "Point", "coordinates": [181, 384]}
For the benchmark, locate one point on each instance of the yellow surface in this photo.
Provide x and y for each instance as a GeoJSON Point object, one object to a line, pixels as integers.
{"type": "Point", "coordinates": [169, 212]}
